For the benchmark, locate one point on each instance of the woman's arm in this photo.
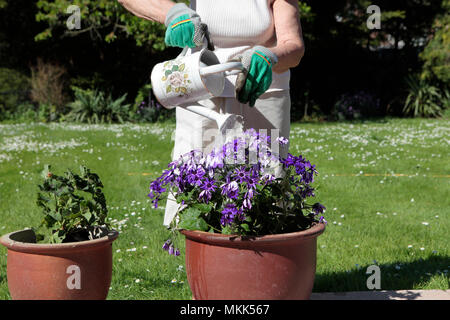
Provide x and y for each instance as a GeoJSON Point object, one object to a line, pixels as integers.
{"type": "Point", "coordinates": [154, 10]}
{"type": "Point", "coordinates": [290, 47]}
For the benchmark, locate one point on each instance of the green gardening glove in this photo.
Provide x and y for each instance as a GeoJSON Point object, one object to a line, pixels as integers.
{"type": "Point", "coordinates": [184, 27]}
{"type": "Point", "coordinates": [256, 76]}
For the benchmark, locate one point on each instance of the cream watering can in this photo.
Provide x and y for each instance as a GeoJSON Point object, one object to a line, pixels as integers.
{"type": "Point", "coordinates": [190, 78]}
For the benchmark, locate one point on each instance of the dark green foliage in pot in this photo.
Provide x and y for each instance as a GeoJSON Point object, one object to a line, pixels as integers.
{"type": "Point", "coordinates": [73, 205]}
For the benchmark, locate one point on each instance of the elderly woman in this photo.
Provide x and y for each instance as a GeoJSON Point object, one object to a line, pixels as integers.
{"type": "Point", "coordinates": [265, 35]}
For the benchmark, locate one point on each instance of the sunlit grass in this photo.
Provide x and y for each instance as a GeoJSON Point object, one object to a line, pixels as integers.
{"type": "Point", "coordinates": [385, 185]}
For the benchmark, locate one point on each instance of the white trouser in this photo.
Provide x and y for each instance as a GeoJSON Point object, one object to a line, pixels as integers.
{"type": "Point", "coordinates": [271, 111]}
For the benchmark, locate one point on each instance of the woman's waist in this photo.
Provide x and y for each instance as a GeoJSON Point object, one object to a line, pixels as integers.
{"type": "Point", "coordinates": [280, 81]}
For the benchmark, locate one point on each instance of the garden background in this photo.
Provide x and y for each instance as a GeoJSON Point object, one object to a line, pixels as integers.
{"type": "Point", "coordinates": [84, 96]}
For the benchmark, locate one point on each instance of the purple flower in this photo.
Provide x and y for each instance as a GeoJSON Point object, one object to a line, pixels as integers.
{"type": "Point", "coordinates": [252, 181]}
{"type": "Point", "coordinates": [229, 213]}
{"type": "Point", "coordinates": [303, 168]}
{"type": "Point", "coordinates": [306, 191]}
{"type": "Point", "coordinates": [282, 140]}
{"type": "Point", "coordinates": [289, 160]}
{"type": "Point", "coordinates": [156, 190]}
{"type": "Point", "coordinates": [230, 189]}
{"type": "Point", "coordinates": [195, 175]}
{"type": "Point", "coordinates": [322, 220]}
{"type": "Point", "coordinates": [318, 208]}
{"type": "Point", "coordinates": [268, 178]}
{"type": "Point", "coordinates": [207, 187]}
{"type": "Point", "coordinates": [235, 185]}
{"type": "Point", "coordinates": [299, 166]}
{"type": "Point", "coordinates": [156, 186]}
{"type": "Point", "coordinates": [166, 245]}
{"type": "Point", "coordinates": [240, 174]}
{"type": "Point", "coordinates": [214, 160]}
{"type": "Point", "coordinates": [168, 176]}
{"type": "Point", "coordinates": [247, 203]}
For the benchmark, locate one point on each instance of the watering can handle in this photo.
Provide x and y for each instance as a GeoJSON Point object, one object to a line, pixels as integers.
{"type": "Point", "coordinates": [207, 43]}
{"type": "Point", "coordinates": [185, 49]}
{"type": "Point", "coordinates": [229, 68]}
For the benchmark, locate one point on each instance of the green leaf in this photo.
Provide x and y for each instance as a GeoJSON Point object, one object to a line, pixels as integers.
{"type": "Point", "coordinates": [227, 230]}
{"type": "Point", "coordinates": [186, 196]}
{"type": "Point", "coordinates": [57, 238]}
{"type": "Point", "coordinates": [191, 219]}
{"type": "Point", "coordinates": [87, 215]}
{"type": "Point", "coordinates": [203, 207]}
{"type": "Point", "coordinates": [246, 227]}
{"type": "Point", "coordinates": [55, 215]}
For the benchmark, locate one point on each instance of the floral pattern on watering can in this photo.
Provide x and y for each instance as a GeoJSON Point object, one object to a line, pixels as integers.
{"type": "Point", "coordinates": [176, 78]}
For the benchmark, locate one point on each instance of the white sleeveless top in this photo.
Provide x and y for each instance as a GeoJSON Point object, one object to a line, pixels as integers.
{"type": "Point", "coordinates": [238, 25]}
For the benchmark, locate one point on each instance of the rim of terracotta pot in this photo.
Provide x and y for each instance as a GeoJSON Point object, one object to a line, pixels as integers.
{"type": "Point", "coordinates": [242, 242]}
{"type": "Point", "coordinates": [57, 248]}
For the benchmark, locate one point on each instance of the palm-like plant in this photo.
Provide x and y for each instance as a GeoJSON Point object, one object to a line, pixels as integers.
{"type": "Point", "coordinates": [93, 107]}
{"type": "Point", "coordinates": [423, 100]}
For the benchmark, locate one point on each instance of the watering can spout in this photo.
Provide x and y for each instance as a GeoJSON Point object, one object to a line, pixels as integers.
{"type": "Point", "coordinates": [229, 125]}
{"type": "Point", "coordinates": [228, 122]}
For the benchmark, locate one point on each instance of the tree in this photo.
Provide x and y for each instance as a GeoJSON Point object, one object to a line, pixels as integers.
{"type": "Point", "coordinates": [104, 20]}
{"type": "Point", "coordinates": [436, 55]}
{"type": "Point", "coordinates": [343, 55]}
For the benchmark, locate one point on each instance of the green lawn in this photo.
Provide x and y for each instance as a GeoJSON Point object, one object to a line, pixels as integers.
{"type": "Point", "coordinates": [385, 185]}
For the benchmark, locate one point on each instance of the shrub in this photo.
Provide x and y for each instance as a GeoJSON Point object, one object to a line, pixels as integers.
{"type": "Point", "coordinates": [93, 107]}
{"type": "Point", "coordinates": [424, 99]}
{"type": "Point", "coordinates": [47, 85]}
{"type": "Point", "coordinates": [152, 112]}
{"type": "Point", "coordinates": [14, 90]}
{"type": "Point", "coordinates": [25, 112]}
{"type": "Point", "coordinates": [436, 54]}
{"type": "Point", "coordinates": [356, 106]}
{"type": "Point", "coordinates": [147, 109]}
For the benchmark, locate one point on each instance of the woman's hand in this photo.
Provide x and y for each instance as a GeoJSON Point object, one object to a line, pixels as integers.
{"type": "Point", "coordinates": [184, 27]}
{"type": "Point", "coordinates": [259, 62]}
{"type": "Point", "coordinates": [256, 76]}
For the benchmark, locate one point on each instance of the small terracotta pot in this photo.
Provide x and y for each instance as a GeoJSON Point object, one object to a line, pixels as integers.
{"type": "Point", "coordinates": [272, 267]}
{"type": "Point", "coordinates": [66, 271]}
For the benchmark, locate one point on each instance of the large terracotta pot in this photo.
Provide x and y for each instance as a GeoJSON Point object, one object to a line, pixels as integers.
{"type": "Point", "coordinates": [66, 271]}
{"type": "Point", "coordinates": [272, 267]}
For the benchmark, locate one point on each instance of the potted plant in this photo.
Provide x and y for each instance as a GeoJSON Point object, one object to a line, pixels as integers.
{"type": "Point", "coordinates": [69, 255]}
{"type": "Point", "coordinates": [249, 232]}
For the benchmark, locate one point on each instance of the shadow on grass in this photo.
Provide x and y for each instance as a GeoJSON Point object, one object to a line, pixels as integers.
{"type": "Point", "coordinates": [393, 276]}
